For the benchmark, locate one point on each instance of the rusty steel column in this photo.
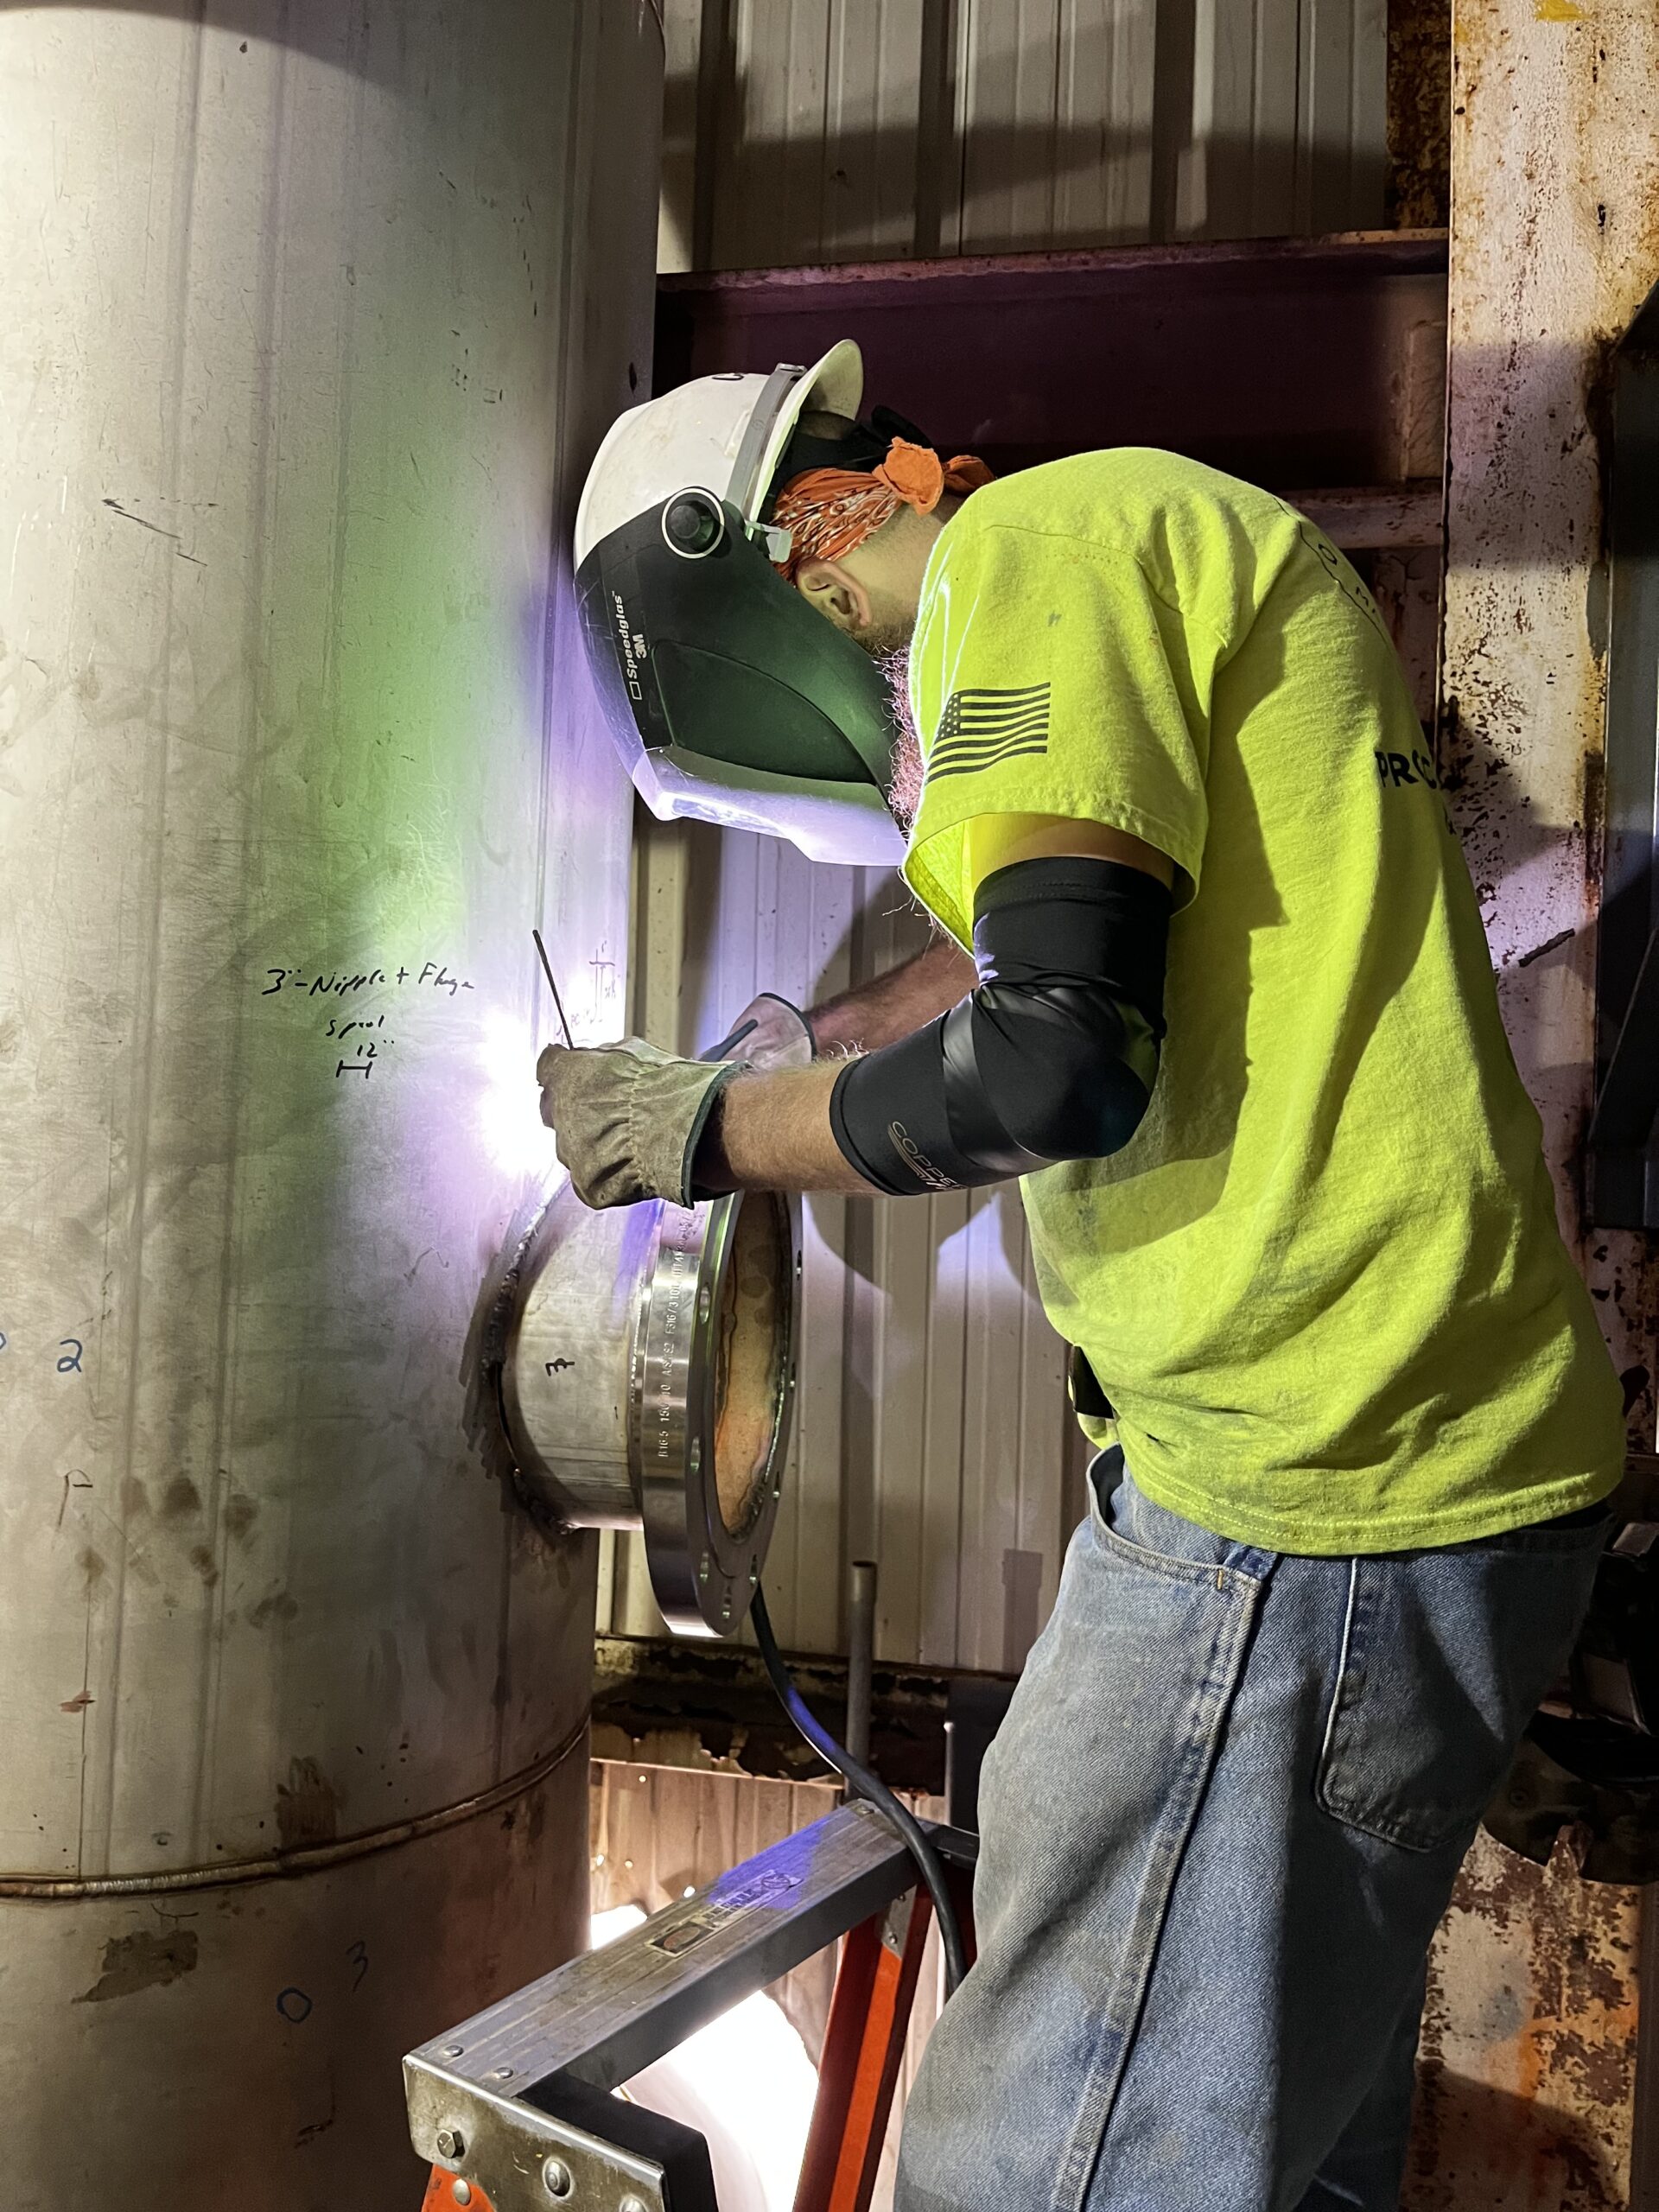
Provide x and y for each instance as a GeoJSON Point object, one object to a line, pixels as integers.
{"type": "Point", "coordinates": [1529, 2045]}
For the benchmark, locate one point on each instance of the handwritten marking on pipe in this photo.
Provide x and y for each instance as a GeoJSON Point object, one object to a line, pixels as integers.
{"type": "Point", "coordinates": [294, 2005]}
{"type": "Point", "coordinates": [358, 1955]}
{"type": "Point", "coordinates": [70, 1349]}
{"type": "Point", "coordinates": [368, 1028]}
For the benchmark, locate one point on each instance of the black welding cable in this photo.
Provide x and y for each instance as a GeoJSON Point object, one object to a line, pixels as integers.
{"type": "Point", "coordinates": [871, 1788]}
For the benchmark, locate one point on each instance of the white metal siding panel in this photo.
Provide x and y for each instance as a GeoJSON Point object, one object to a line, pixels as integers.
{"type": "Point", "coordinates": [682, 23]}
{"type": "Point", "coordinates": [805, 130]}
{"type": "Point", "coordinates": [1341, 123]}
{"type": "Point", "coordinates": [656, 1832]}
{"type": "Point", "coordinates": [778, 130]}
{"type": "Point", "coordinates": [872, 119]}
{"type": "Point", "coordinates": [1103, 112]}
{"type": "Point", "coordinates": [1006, 116]}
{"type": "Point", "coordinates": [1248, 126]}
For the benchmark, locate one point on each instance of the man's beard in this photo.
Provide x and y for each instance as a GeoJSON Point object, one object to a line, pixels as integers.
{"type": "Point", "coordinates": [905, 787]}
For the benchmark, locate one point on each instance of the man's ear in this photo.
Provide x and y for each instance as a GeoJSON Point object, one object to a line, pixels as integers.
{"type": "Point", "coordinates": [836, 592]}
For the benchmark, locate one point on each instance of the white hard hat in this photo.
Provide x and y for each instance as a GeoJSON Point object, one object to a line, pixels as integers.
{"type": "Point", "coordinates": [731, 699]}
{"type": "Point", "coordinates": [712, 432]}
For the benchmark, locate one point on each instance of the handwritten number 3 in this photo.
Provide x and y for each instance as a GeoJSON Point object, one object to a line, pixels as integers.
{"type": "Point", "coordinates": [358, 1955]}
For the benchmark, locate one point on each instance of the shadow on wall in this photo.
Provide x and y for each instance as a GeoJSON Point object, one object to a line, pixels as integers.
{"type": "Point", "coordinates": [1475, 2145]}
{"type": "Point", "coordinates": [328, 32]}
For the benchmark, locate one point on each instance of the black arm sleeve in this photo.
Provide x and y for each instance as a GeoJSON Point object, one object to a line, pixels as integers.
{"type": "Point", "coordinates": [1052, 1057]}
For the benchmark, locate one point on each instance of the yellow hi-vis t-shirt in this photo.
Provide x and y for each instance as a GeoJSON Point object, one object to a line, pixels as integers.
{"type": "Point", "coordinates": [1323, 1286]}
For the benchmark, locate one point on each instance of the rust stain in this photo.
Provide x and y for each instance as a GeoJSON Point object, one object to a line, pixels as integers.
{"type": "Point", "coordinates": [1529, 2049]}
{"type": "Point", "coordinates": [240, 1513]}
{"type": "Point", "coordinates": [307, 1809]}
{"type": "Point", "coordinates": [1558, 11]}
{"type": "Point", "coordinates": [143, 1960]}
{"type": "Point", "coordinates": [279, 1606]}
{"type": "Point", "coordinates": [181, 1498]}
{"type": "Point", "coordinates": [1420, 108]}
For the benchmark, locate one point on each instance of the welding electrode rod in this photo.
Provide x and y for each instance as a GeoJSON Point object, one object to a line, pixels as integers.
{"type": "Point", "coordinates": [558, 1004]}
{"type": "Point", "coordinates": [861, 1656]}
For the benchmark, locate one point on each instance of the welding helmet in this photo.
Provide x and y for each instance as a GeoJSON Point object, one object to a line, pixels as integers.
{"type": "Point", "coordinates": [731, 699]}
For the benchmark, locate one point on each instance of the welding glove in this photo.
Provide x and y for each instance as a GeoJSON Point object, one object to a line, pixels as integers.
{"type": "Point", "coordinates": [627, 1118]}
{"type": "Point", "coordinates": [770, 1032]}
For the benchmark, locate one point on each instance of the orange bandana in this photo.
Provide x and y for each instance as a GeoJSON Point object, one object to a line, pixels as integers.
{"type": "Point", "coordinates": [829, 511]}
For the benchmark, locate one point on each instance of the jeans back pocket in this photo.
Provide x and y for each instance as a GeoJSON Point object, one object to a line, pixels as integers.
{"type": "Point", "coordinates": [1445, 1657]}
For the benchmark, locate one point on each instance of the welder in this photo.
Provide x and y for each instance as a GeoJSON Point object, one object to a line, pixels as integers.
{"type": "Point", "coordinates": [1212, 981]}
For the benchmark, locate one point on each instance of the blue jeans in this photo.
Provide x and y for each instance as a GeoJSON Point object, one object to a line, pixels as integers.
{"type": "Point", "coordinates": [1221, 1822]}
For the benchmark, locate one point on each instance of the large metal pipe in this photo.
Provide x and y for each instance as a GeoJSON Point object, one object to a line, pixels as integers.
{"type": "Point", "coordinates": [313, 315]}
{"type": "Point", "coordinates": [646, 1378]}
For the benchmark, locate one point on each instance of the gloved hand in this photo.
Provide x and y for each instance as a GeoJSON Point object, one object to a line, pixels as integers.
{"type": "Point", "coordinates": [627, 1118]}
{"type": "Point", "coordinates": [770, 1032]}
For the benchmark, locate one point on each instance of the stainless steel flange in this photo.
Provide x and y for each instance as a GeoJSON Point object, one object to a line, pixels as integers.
{"type": "Point", "coordinates": [648, 1381]}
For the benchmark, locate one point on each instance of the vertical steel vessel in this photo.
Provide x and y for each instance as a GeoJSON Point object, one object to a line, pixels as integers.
{"type": "Point", "coordinates": [312, 316]}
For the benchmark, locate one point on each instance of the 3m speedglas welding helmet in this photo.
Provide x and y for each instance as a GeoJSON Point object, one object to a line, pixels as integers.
{"type": "Point", "coordinates": [730, 699]}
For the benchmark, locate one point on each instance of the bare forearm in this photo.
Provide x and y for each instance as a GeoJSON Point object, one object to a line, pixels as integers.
{"type": "Point", "coordinates": [771, 1132]}
{"type": "Point", "coordinates": [895, 1005]}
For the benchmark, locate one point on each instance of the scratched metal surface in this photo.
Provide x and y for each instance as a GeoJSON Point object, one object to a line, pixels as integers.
{"type": "Point", "coordinates": [805, 130]}
{"type": "Point", "coordinates": [313, 318]}
{"type": "Point", "coordinates": [1529, 2059]}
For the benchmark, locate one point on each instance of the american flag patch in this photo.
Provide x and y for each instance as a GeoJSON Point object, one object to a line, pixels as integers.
{"type": "Point", "coordinates": [981, 729]}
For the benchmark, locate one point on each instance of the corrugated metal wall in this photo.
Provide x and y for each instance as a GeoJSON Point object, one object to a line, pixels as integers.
{"type": "Point", "coordinates": [807, 131]}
